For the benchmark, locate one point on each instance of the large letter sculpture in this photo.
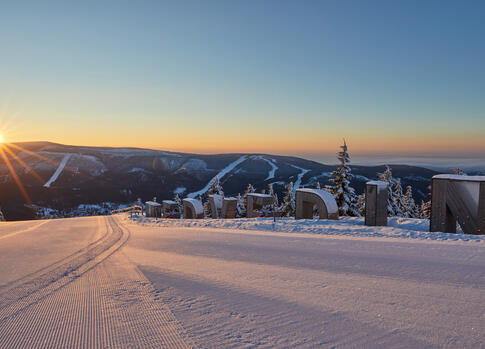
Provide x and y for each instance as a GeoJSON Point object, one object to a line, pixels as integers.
{"type": "Point", "coordinates": [459, 199]}
{"type": "Point", "coordinates": [376, 195]}
{"type": "Point", "coordinates": [307, 199]}
{"type": "Point", "coordinates": [193, 209]}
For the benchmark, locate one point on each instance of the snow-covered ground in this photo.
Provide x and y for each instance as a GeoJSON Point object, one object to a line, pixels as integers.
{"type": "Point", "coordinates": [403, 228]}
{"type": "Point", "coordinates": [127, 283]}
{"type": "Point", "coordinates": [230, 287]}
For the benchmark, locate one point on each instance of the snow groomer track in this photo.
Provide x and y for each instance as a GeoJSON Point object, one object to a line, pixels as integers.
{"type": "Point", "coordinates": [94, 297]}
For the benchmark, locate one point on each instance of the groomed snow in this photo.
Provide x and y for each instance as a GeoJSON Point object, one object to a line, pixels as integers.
{"type": "Point", "coordinates": [220, 175]}
{"type": "Point", "coordinates": [247, 284]}
{"type": "Point", "coordinates": [58, 171]}
{"type": "Point", "coordinates": [116, 282]}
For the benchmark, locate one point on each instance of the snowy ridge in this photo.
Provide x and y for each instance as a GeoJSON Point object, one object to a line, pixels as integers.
{"type": "Point", "coordinates": [297, 183]}
{"type": "Point", "coordinates": [220, 175]}
{"type": "Point", "coordinates": [403, 228]}
{"type": "Point", "coordinates": [58, 171]}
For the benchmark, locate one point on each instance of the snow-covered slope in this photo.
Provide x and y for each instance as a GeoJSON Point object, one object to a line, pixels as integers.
{"type": "Point", "coordinates": [58, 171]}
{"type": "Point", "coordinates": [219, 175]}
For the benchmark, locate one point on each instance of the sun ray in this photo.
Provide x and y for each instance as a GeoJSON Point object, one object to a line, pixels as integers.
{"type": "Point", "coordinates": [22, 163]}
{"type": "Point", "coordinates": [15, 177]}
{"type": "Point", "coordinates": [41, 157]}
{"type": "Point", "coordinates": [55, 163]}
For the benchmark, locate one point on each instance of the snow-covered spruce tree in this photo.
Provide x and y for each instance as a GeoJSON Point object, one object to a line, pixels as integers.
{"type": "Point", "coordinates": [271, 192]}
{"type": "Point", "coordinates": [215, 187]}
{"type": "Point", "coordinates": [425, 207]}
{"type": "Point", "coordinates": [342, 191]}
{"type": "Point", "coordinates": [386, 176]}
{"type": "Point", "coordinates": [361, 204]}
{"type": "Point", "coordinates": [241, 208]}
{"type": "Point", "coordinates": [410, 208]}
{"type": "Point", "coordinates": [178, 202]}
{"type": "Point", "coordinates": [398, 199]}
{"type": "Point", "coordinates": [288, 205]}
{"type": "Point", "coordinates": [425, 210]}
{"type": "Point", "coordinates": [267, 210]}
{"type": "Point", "coordinates": [249, 189]}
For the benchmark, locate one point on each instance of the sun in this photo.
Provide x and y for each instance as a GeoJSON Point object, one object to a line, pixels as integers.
{"type": "Point", "coordinates": [1, 139]}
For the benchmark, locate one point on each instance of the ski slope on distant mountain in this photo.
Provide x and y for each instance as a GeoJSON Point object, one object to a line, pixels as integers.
{"type": "Point", "coordinates": [220, 175]}
{"type": "Point", "coordinates": [271, 172]}
{"type": "Point", "coordinates": [303, 171]}
{"type": "Point", "coordinates": [58, 171]}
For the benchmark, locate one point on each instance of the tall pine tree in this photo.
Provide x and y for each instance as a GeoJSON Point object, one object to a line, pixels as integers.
{"type": "Point", "coordinates": [398, 199]}
{"type": "Point", "coordinates": [410, 208]}
{"type": "Point", "coordinates": [178, 202]}
{"type": "Point", "coordinates": [241, 208]}
{"type": "Point", "coordinates": [288, 205]}
{"type": "Point", "coordinates": [386, 176]}
{"type": "Point", "coordinates": [215, 187]}
{"type": "Point", "coordinates": [342, 191]}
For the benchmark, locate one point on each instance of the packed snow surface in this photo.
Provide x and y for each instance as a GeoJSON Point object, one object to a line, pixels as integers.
{"type": "Point", "coordinates": [247, 283]}
{"type": "Point", "coordinates": [220, 175]}
{"type": "Point", "coordinates": [121, 282]}
{"type": "Point", "coordinates": [58, 171]}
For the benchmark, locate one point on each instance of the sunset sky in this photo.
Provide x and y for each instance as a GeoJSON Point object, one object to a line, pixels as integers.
{"type": "Point", "coordinates": [281, 77]}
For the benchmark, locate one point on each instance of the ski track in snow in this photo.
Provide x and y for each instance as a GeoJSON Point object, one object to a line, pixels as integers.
{"type": "Point", "coordinates": [297, 183]}
{"type": "Point", "coordinates": [58, 171]}
{"type": "Point", "coordinates": [95, 298]}
{"type": "Point", "coordinates": [220, 175]}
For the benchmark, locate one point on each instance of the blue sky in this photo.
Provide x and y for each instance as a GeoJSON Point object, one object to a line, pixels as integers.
{"type": "Point", "coordinates": [262, 76]}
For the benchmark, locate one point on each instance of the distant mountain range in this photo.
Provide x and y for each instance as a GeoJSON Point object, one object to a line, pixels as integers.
{"type": "Point", "coordinates": [62, 177]}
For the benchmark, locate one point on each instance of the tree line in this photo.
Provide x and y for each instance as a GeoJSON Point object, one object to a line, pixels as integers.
{"type": "Point", "coordinates": [400, 203]}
